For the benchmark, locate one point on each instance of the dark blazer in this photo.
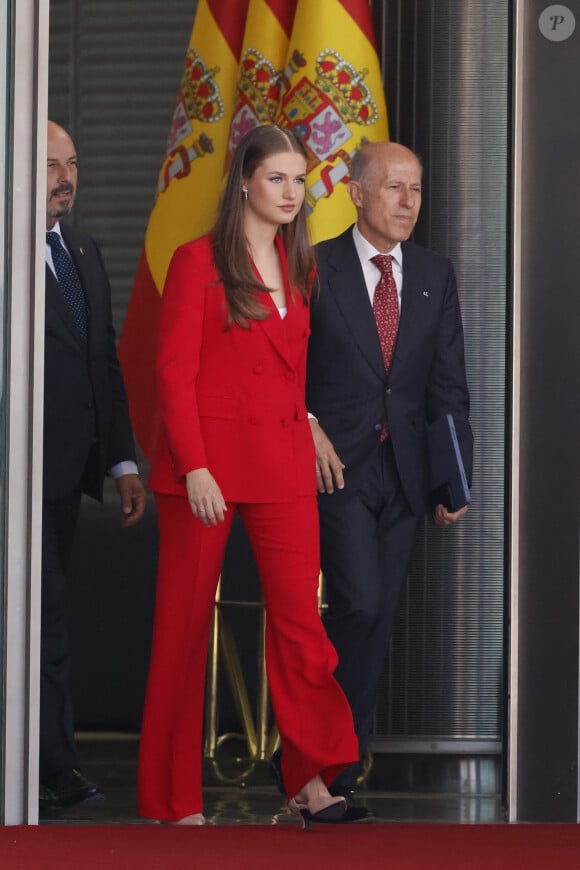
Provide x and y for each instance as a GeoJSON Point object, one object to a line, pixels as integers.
{"type": "Point", "coordinates": [84, 397]}
{"type": "Point", "coordinates": [347, 388]}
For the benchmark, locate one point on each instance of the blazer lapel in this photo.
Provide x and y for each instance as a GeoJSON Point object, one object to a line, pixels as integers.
{"type": "Point", "coordinates": [348, 288]}
{"type": "Point", "coordinates": [413, 289]}
{"type": "Point", "coordinates": [55, 302]}
{"type": "Point", "coordinates": [273, 325]}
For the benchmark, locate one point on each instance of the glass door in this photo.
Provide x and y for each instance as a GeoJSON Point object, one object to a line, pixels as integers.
{"type": "Point", "coordinates": [23, 100]}
{"type": "Point", "coordinates": [4, 85]}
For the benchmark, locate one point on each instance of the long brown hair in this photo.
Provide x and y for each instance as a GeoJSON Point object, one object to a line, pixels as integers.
{"type": "Point", "coordinates": [229, 244]}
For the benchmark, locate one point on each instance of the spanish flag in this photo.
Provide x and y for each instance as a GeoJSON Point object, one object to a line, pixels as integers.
{"type": "Point", "coordinates": [260, 84]}
{"type": "Point", "coordinates": [310, 66]}
{"type": "Point", "coordinates": [187, 192]}
{"type": "Point", "coordinates": [333, 100]}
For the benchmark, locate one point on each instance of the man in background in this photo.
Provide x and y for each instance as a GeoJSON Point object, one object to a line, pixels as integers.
{"type": "Point", "coordinates": [87, 435]}
{"type": "Point", "coordinates": [386, 357]}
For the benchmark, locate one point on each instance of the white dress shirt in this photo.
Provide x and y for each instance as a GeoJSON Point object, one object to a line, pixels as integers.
{"type": "Point", "coordinates": [49, 260]}
{"type": "Point", "coordinates": [371, 272]}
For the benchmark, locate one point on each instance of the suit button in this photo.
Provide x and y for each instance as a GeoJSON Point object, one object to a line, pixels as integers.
{"type": "Point", "coordinates": [285, 422]}
{"type": "Point", "coordinates": [89, 406]}
{"type": "Point", "coordinates": [290, 376]}
{"type": "Point", "coordinates": [252, 421]}
{"type": "Point", "coordinates": [258, 369]}
{"type": "Point", "coordinates": [377, 427]}
{"type": "Point", "coordinates": [388, 391]}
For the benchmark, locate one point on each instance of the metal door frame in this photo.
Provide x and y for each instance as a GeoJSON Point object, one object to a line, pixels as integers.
{"type": "Point", "coordinates": [26, 95]}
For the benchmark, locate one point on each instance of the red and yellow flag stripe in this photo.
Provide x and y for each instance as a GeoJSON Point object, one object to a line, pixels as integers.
{"type": "Point", "coordinates": [187, 191]}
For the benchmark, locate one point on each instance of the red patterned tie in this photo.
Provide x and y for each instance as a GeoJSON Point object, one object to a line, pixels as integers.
{"type": "Point", "coordinates": [386, 311]}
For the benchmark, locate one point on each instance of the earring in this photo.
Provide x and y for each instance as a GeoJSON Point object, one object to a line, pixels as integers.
{"type": "Point", "coordinates": [245, 192]}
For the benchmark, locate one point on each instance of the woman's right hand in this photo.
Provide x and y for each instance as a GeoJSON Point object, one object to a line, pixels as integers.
{"type": "Point", "coordinates": [205, 497]}
{"type": "Point", "coordinates": [329, 468]}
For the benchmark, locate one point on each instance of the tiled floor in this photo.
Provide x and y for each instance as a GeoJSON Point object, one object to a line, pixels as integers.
{"type": "Point", "coordinates": [112, 763]}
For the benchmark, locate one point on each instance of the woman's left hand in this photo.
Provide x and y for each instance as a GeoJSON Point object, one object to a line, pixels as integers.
{"type": "Point", "coordinates": [205, 497]}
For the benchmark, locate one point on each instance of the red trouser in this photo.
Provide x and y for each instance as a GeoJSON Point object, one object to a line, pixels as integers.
{"type": "Point", "coordinates": [311, 711]}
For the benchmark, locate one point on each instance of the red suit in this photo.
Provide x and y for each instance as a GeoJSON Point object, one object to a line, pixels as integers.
{"type": "Point", "coordinates": [232, 401]}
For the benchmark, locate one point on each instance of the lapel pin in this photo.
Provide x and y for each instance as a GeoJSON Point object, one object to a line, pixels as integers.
{"type": "Point", "coordinates": [425, 292]}
{"type": "Point", "coordinates": [82, 252]}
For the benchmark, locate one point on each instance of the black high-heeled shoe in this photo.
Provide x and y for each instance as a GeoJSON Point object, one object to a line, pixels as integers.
{"type": "Point", "coordinates": [332, 813]}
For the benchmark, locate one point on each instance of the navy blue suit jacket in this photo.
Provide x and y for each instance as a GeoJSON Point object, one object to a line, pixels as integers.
{"type": "Point", "coordinates": [347, 388]}
{"type": "Point", "coordinates": [85, 406]}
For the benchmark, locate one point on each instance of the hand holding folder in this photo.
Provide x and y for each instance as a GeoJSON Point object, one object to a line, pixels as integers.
{"type": "Point", "coordinates": [448, 483]}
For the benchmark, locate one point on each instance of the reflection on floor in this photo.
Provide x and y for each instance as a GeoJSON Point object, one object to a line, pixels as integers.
{"type": "Point", "coordinates": [113, 764]}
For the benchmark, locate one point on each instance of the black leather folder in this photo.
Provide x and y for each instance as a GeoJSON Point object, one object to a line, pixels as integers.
{"type": "Point", "coordinates": [448, 484]}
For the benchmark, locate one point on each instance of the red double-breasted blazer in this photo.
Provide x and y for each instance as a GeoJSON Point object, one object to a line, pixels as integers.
{"type": "Point", "coordinates": [231, 398]}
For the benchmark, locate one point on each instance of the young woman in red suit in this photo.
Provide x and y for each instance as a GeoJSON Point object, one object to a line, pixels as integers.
{"type": "Point", "coordinates": [231, 379]}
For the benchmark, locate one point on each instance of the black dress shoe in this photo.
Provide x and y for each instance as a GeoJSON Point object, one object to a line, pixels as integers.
{"type": "Point", "coordinates": [67, 791]}
{"type": "Point", "coordinates": [345, 791]}
{"type": "Point", "coordinates": [354, 813]}
{"type": "Point", "coordinates": [276, 770]}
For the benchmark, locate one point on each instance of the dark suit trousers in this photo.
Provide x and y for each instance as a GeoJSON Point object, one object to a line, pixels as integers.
{"type": "Point", "coordinates": [57, 749]}
{"type": "Point", "coordinates": [367, 538]}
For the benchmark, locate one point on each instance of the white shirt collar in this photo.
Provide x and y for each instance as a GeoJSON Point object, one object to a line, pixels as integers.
{"type": "Point", "coordinates": [366, 251]}
{"type": "Point", "coordinates": [56, 229]}
{"type": "Point", "coordinates": [371, 273]}
{"type": "Point", "coordinates": [48, 250]}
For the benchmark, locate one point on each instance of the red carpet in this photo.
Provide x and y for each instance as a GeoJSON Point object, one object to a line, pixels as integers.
{"type": "Point", "coordinates": [286, 847]}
